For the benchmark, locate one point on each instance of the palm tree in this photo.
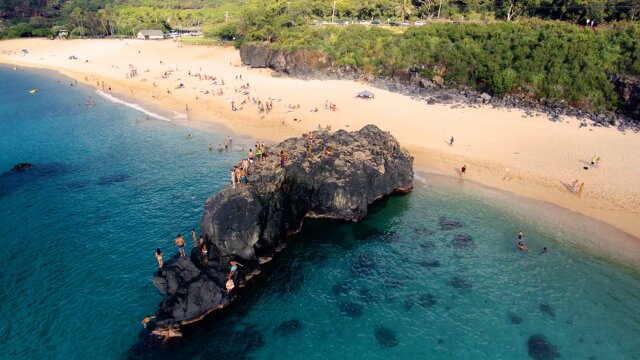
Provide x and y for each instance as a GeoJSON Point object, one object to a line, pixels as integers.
{"type": "Point", "coordinates": [404, 8]}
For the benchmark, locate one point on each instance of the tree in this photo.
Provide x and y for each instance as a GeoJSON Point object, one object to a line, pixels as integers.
{"type": "Point", "coordinates": [404, 8]}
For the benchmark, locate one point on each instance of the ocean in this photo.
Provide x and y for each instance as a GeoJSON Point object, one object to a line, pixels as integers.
{"type": "Point", "coordinates": [111, 183]}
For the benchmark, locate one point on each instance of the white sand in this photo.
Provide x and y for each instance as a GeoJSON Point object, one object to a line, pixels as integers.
{"type": "Point", "coordinates": [542, 155]}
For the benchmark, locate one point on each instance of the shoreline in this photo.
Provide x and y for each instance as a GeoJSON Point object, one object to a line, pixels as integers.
{"type": "Point", "coordinates": [482, 138]}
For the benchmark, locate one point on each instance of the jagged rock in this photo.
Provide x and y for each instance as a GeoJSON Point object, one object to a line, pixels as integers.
{"type": "Point", "coordinates": [438, 80]}
{"type": "Point", "coordinates": [251, 223]}
{"type": "Point", "coordinates": [365, 166]}
{"type": "Point", "coordinates": [485, 97]}
{"type": "Point", "coordinates": [21, 167]}
{"type": "Point", "coordinates": [298, 62]}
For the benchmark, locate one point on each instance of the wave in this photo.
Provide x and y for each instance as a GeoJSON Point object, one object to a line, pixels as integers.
{"type": "Point", "coordinates": [114, 99]}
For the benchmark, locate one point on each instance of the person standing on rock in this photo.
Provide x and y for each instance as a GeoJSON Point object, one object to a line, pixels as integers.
{"type": "Point", "coordinates": [245, 165]}
{"type": "Point", "coordinates": [159, 258]}
{"type": "Point", "coordinates": [250, 156]}
{"type": "Point", "coordinates": [233, 177]}
{"type": "Point", "coordinates": [180, 243]}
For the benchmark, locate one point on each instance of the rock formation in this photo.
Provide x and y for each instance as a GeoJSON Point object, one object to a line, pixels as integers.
{"type": "Point", "coordinates": [342, 174]}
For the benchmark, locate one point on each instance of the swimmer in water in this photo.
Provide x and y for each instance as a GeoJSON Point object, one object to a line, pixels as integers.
{"type": "Point", "coordinates": [210, 147]}
{"type": "Point", "coordinates": [522, 246]}
{"type": "Point", "coordinates": [544, 250]}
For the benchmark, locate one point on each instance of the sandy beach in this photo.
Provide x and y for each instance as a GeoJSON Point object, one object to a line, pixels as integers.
{"type": "Point", "coordinates": [505, 149]}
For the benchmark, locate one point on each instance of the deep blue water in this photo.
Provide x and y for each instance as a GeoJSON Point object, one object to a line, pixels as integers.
{"type": "Point", "coordinates": [109, 186]}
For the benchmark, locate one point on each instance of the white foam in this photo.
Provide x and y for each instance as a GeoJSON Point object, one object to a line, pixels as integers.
{"type": "Point", "coordinates": [134, 106]}
{"type": "Point", "coordinates": [420, 179]}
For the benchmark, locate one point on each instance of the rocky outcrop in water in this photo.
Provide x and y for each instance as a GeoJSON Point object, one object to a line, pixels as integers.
{"type": "Point", "coordinates": [338, 179]}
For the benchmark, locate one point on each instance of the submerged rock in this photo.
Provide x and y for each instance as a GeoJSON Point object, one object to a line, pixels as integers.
{"type": "Point", "coordinates": [251, 223]}
{"type": "Point", "coordinates": [351, 309]}
{"type": "Point", "coordinates": [113, 179]}
{"type": "Point", "coordinates": [341, 288]}
{"type": "Point", "coordinates": [288, 328]}
{"type": "Point", "coordinates": [460, 283]}
{"type": "Point", "coordinates": [24, 173]}
{"type": "Point", "coordinates": [547, 309]}
{"type": "Point", "coordinates": [515, 319]}
{"type": "Point", "coordinates": [385, 336]}
{"type": "Point", "coordinates": [463, 241]}
{"type": "Point", "coordinates": [363, 265]}
{"type": "Point", "coordinates": [449, 224]}
{"type": "Point", "coordinates": [428, 245]}
{"type": "Point", "coordinates": [541, 349]}
{"type": "Point", "coordinates": [427, 300]}
{"type": "Point", "coordinates": [429, 263]}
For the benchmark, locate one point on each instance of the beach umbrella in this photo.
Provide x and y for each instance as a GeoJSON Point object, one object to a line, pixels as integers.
{"type": "Point", "coordinates": [366, 94]}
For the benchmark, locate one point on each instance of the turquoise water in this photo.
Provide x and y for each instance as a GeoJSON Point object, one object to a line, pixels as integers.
{"type": "Point", "coordinates": [79, 237]}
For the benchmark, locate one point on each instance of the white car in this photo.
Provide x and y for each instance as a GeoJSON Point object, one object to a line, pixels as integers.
{"type": "Point", "coordinates": [405, 23]}
{"type": "Point", "coordinates": [365, 22]}
{"type": "Point", "coordinates": [420, 23]}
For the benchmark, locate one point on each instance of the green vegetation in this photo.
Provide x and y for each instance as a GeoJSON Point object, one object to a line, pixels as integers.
{"type": "Point", "coordinates": [537, 59]}
{"type": "Point", "coordinates": [536, 48]}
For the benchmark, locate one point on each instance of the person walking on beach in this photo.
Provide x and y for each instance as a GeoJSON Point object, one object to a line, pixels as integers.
{"type": "Point", "coordinates": [451, 141]}
{"type": "Point", "coordinates": [159, 258]}
{"type": "Point", "coordinates": [463, 170]}
{"type": "Point", "coordinates": [574, 186]}
{"type": "Point", "coordinates": [580, 189]}
{"type": "Point", "coordinates": [180, 243]}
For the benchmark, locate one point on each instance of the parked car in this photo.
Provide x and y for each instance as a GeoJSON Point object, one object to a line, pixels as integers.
{"type": "Point", "coordinates": [325, 23]}
{"type": "Point", "coordinates": [375, 22]}
{"type": "Point", "coordinates": [405, 23]}
{"type": "Point", "coordinates": [393, 23]}
{"type": "Point", "coordinates": [315, 22]}
{"type": "Point", "coordinates": [364, 22]}
{"type": "Point", "coordinates": [343, 22]}
{"type": "Point", "coordinates": [420, 23]}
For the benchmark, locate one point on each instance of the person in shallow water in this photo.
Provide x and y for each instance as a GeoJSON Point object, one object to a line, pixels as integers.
{"type": "Point", "coordinates": [522, 246]}
{"type": "Point", "coordinates": [159, 258]}
{"type": "Point", "coordinates": [180, 242]}
{"type": "Point", "coordinates": [520, 235]}
{"type": "Point", "coordinates": [544, 250]}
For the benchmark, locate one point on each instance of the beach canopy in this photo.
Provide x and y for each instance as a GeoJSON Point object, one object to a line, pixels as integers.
{"type": "Point", "coordinates": [366, 94]}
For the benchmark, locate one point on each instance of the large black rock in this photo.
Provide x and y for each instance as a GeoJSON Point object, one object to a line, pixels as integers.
{"type": "Point", "coordinates": [250, 223]}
